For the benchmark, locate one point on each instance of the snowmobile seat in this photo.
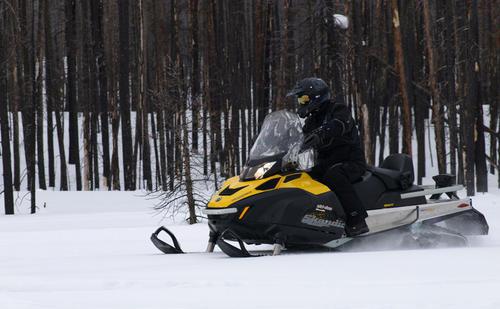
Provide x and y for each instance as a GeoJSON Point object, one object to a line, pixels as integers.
{"type": "Point", "coordinates": [396, 172]}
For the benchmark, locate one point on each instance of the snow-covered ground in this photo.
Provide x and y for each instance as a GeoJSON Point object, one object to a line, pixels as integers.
{"type": "Point", "coordinates": [92, 250]}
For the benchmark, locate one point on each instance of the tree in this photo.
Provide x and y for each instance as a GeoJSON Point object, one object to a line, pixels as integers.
{"type": "Point", "coordinates": [4, 120]}
{"type": "Point", "coordinates": [71, 96]}
{"type": "Point", "coordinates": [403, 78]}
{"type": "Point", "coordinates": [123, 13]}
{"type": "Point", "coordinates": [436, 99]}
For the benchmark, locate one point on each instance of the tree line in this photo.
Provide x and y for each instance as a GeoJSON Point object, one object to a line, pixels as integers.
{"type": "Point", "coordinates": [126, 95]}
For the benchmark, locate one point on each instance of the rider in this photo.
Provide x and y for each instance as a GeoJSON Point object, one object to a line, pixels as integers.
{"type": "Point", "coordinates": [330, 129]}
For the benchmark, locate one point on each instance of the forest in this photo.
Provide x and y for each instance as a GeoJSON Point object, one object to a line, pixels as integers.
{"type": "Point", "coordinates": [154, 94]}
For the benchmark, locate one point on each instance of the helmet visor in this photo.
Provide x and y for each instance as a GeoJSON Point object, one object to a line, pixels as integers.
{"type": "Point", "coordinates": [303, 99]}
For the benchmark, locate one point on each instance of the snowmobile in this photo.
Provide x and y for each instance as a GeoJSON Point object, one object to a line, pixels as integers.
{"type": "Point", "coordinates": [276, 201]}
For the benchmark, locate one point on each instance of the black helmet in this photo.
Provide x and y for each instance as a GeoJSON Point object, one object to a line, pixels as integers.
{"type": "Point", "coordinates": [311, 93]}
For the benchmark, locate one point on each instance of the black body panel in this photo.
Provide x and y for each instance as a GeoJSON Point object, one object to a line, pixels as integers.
{"type": "Point", "coordinates": [292, 215]}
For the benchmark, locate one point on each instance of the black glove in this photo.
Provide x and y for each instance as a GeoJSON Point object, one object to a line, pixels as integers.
{"type": "Point", "coordinates": [311, 140]}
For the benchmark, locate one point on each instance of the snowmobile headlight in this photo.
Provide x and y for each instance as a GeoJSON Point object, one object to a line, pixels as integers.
{"type": "Point", "coordinates": [262, 169]}
{"type": "Point", "coordinates": [219, 211]}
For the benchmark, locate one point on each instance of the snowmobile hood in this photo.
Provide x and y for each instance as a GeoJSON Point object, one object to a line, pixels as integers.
{"type": "Point", "coordinates": [234, 190]}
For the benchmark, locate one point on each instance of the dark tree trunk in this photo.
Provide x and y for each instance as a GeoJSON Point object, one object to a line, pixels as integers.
{"type": "Point", "coordinates": [437, 114]}
{"type": "Point", "coordinates": [157, 158]}
{"type": "Point", "coordinates": [15, 145]}
{"type": "Point", "coordinates": [115, 167]}
{"type": "Point", "coordinates": [28, 108]}
{"type": "Point", "coordinates": [195, 75]}
{"type": "Point", "coordinates": [403, 78]}
{"type": "Point", "coordinates": [470, 104]}
{"type": "Point", "coordinates": [4, 126]}
{"type": "Point", "coordinates": [123, 12]}
{"type": "Point", "coordinates": [38, 99]}
{"type": "Point", "coordinates": [62, 152]}
{"type": "Point", "coordinates": [97, 25]}
{"type": "Point", "coordinates": [71, 99]}
{"type": "Point", "coordinates": [49, 66]}
{"type": "Point", "coordinates": [360, 83]}
{"type": "Point", "coordinates": [474, 98]}
{"type": "Point", "coordinates": [450, 77]}
{"type": "Point", "coordinates": [4, 120]}
{"type": "Point", "coordinates": [163, 158]}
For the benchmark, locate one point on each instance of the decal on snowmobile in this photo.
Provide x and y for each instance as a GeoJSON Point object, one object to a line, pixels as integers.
{"type": "Point", "coordinates": [243, 212]}
{"type": "Point", "coordinates": [321, 207]}
{"type": "Point", "coordinates": [322, 216]}
{"type": "Point", "coordinates": [313, 220]}
{"type": "Point", "coordinates": [305, 182]}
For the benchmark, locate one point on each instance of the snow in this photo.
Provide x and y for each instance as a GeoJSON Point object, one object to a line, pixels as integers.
{"type": "Point", "coordinates": [92, 250]}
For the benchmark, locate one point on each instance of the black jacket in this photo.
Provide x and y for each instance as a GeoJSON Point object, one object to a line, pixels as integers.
{"type": "Point", "coordinates": [338, 133]}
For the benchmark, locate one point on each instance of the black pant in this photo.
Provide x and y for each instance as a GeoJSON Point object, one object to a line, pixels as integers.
{"type": "Point", "coordinates": [339, 179]}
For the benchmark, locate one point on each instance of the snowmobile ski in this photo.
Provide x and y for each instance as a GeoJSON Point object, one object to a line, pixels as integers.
{"type": "Point", "coordinates": [231, 250]}
{"type": "Point", "coordinates": [163, 246]}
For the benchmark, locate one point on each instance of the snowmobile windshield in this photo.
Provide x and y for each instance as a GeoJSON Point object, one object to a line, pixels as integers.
{"type": "Point", "coordinates": [280, 132]}
{"type": "Point", "coordinates": [278, 148]}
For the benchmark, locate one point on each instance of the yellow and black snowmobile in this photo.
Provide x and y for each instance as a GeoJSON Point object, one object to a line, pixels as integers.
{"type": "Point", "coordinates": [276, 201]}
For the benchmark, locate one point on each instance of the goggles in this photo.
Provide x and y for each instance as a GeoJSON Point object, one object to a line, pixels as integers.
{"type": "Point", "coordinates": [303, 99]}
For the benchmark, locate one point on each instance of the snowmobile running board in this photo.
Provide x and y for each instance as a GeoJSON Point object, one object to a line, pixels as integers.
{"type": "Point", "coordinates": [450, 189]}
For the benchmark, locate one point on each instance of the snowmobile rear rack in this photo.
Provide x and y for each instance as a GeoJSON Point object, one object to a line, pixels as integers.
{"type": "Point", "coordinates": [163, 246]}
{"type": "Point", "coordinates": [450, 189]}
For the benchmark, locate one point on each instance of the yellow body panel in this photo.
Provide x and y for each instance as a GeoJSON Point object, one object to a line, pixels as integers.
{"type": "Point", "coordinates": [304, 182]}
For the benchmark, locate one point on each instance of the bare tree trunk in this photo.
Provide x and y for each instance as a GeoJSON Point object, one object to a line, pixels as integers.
{"type": "Point", "coordinates": [187, 171]}
{"type": "Point", "coordinates": [450, 77]}
{"type": "Point", "coordinates": [15, 145]}
{"type": "Point", "coordinates": [4, 126]}
{"type": "Point", "coordinates": [146, 149]}
{"type": "Point", "coordinates": [123, 12]}
{"type": "Point", "coordinates": [115, 166]}
{"type": "Point", "coordinates": [403, 78]}
{"type": "Point", "coordinates": [28, 108]}
{"type": "Point", "coordinates": [97, 27]}
{"type": "Point", "coordinates": [71, 99]}
{"type": "Point", "coordinates": [155, 146]}
{"type": "Point", "coordinates": [49, 66]}
{"type": "Point", "coordinates": [259, 64]}
{"type": "Point", "coordinates": [469, 106]}
{"type": "Point", "coordinates": [195, 75]}
{"type": "Point", "coordinates": [181, 89]}
{"type": "Point", "coordinates": [360, 83]}
{"type": "Point", "coordinates": [62, 152]}
{"type": "Point", "coordinates": [437, 114]}
{"type": "Point", "coordinates": [4, 119]}
{"type": "Point", "coordinates": [475, 98]}
{"type": "Point", "coordinates": [163, 157]}
{"type": "Point", "coordinates": [38, 97]}
{"type": "Point", "coordinates": [206, 98]}
{"type": "Point", "coordinates": [14, 84]}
